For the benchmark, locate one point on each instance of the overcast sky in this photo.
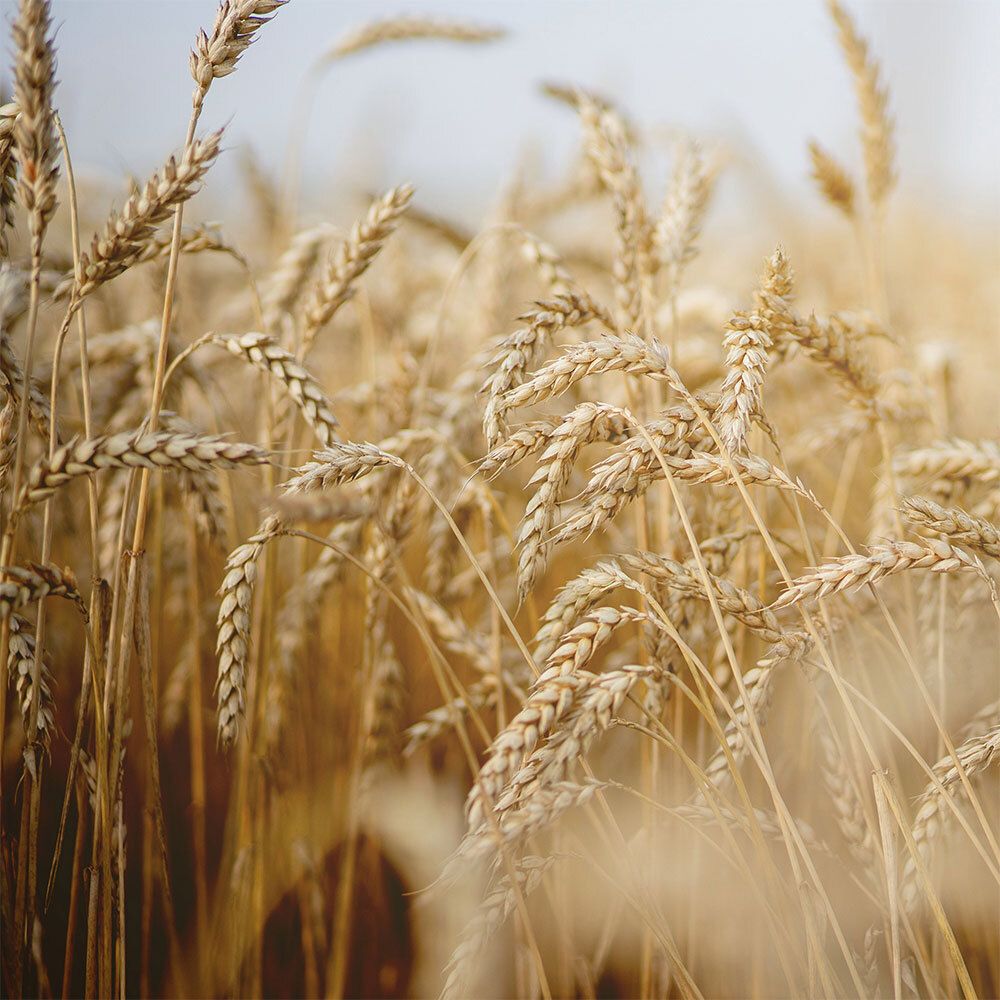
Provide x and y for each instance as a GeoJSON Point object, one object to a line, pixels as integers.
{"type": "Point", "coordinates": [455, 120]}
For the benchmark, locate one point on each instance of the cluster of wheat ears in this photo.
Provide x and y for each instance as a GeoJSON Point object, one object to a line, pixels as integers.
{"type": "Point", "coordinates": [574, 528]}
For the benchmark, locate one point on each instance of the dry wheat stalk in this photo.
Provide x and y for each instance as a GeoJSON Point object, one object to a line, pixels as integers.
{"type": "Point", "coordinates": [766, 819]}
{"type": "Point", "coordinates": [233, 645]}
{"type": "Point", "coordinates": [201, 492]}
{"type": "Point", "coordinates": [516, 353]}
{"type": "Point", "coordinates": [453, 633]}
{"type": "Point", "coordinates": [686, 579]}
{"type": "Point", "coordinates": [263, 352]}
{"type": "Point", "coordinates": [352, 258]}
{"type": "Point", "coordinates": [883, 559]}
{"type": "Point", "coordinates": [478, 695]}
{"type": "Point", "coordinates": [575, 600]}
{"type": "Point", "coordinates": [8, 444]}
{"type": "Point", "coordinates": [832, 180]}
{"type": "Point", "coordinates": [196, 239]}
{"type": "Point", "coordinates": [408, 28]}
{"type": "Point", "coordinates": [128, 234]}
{"type": "Point", "coordinates": [831, 342]}
{"type": "Point", "coordinates": [876, 126]}
{"type": "Point", "coordinates": [677, 432]}
{"type": "Point", "coordinates": [549, 265]}
{"type": "Point", "coordinates": [34, 135]}
{"type": "Point", "coordinates": [519, 444]}
{"type": "Point", "coordinates": [976, 754]}
{"type": "Point", "coordinates": [12, 376]}
{"type": "Point", "coordinates": [545, 704]}
{"type": "Point", "coordinates": [385, 698]}
{"type": "Point", "coordinates": [135, 450]}
{"type": "Point", "coordinates": [524, 818]}
{"type": "Point", "coordinates": [236, 23]}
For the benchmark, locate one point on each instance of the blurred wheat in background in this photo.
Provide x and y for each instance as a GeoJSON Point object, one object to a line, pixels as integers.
{"type": "Point", "coordinates": [598, 600]}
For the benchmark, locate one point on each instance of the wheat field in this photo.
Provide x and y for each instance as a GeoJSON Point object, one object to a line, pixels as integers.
{"type": "Point", "coordinates": [591, 600]}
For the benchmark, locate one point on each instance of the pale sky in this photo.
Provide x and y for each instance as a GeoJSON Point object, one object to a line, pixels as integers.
{"type": "Point", "coordinates": [455, 120]}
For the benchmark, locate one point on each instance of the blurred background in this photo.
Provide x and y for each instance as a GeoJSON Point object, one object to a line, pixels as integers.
{"type": "Point", "coordinates": [456, 121]}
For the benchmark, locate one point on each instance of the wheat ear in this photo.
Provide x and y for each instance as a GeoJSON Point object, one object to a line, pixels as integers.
{"type": "Point", "coordinates": [265, 353]}
{"type": "Point", "coordinates": [233, 645]}
{"type": "Point", "coordinates": [137, 449]}
{"type": "Point", "coordinates": [412, 28]}
{"type": "Point", "coordinates": [35, 146]}
{"type": "Point", "coordinates": [352, 258]}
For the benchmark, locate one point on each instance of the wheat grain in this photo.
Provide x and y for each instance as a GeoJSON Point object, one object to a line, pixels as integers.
{"type": "Point", "coordinates": [684, 206]}
{"type": "Point", "coordinates": [24, 585]}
